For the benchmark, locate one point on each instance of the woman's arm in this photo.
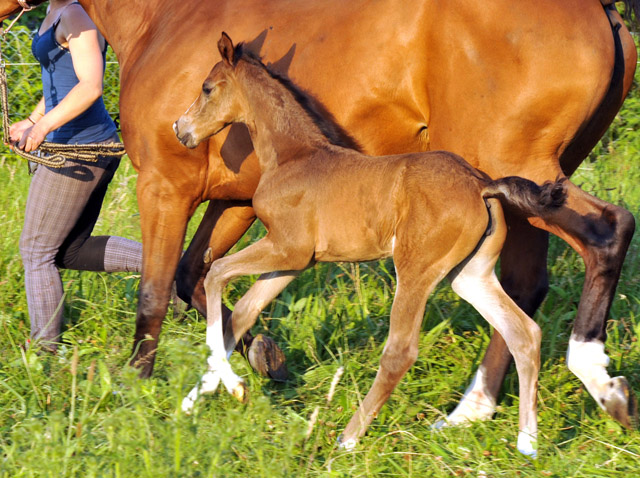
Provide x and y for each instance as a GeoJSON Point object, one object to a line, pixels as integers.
{"type": "Point", "coordinates": [83, 39]}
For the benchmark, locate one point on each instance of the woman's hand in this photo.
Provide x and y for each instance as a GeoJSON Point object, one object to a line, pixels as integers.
{"type": "Point", "coordinates": [16, 130]}
{"type": "Point", "coordinates": [33, 137]}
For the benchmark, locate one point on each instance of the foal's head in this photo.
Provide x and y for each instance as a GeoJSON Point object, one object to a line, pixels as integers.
{"type": "Point", "coordinates": [219, 103]}
{"type": "Point", "coordinates": [223, 101]}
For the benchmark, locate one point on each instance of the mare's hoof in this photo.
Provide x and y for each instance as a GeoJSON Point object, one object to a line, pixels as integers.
{"type": "Point", "coordinates": [620, 402]}
{"type": "Point", "coordinates": [241, 392]}
{"type": "Point", "coordinates": [267, 359]}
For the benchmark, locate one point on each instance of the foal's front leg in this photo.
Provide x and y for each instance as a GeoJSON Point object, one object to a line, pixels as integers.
{"type": "Point", "coordinates": [259, 258]}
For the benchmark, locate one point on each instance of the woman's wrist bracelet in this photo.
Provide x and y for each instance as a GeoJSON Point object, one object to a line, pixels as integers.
{"type": "Point", "coordinates": [29, 118]}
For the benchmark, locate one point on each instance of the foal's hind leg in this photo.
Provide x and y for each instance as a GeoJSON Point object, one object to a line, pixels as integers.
{"type": "Point", "coordinates": [523, 267]}
{"type": "Point", "coordinates": [401, 349]}
{"type": "Point", "coordinates": [475, 281]}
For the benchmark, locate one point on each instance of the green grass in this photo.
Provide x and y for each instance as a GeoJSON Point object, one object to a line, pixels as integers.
{"type": "Point", "coordinates": [90, 416]}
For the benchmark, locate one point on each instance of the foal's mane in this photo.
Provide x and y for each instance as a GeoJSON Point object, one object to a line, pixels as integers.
{"type": "Point", "coordinates": [318, 114]}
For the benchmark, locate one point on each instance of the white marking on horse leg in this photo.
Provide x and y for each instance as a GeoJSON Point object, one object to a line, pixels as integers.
{"type": "Point", "coordinates": [219, 363]}
{"type": "Point", "coordinates": [347, 445]}
{"type": "Point", "coordinates": [476, 404]}
{"type": "Point", "coordinates": [528, 443]}
{"type": "Point", "coordinates": [209, 384]}
{"type": "Point", "coordinates": [588, 362]}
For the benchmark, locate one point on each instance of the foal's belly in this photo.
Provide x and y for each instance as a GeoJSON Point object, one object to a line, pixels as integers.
{"type": "Point", "coordinates": [351, 255]}
{"type": "Point", "coordinates": [353, 238]}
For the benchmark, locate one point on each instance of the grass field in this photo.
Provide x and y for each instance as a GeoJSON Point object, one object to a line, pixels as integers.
{"type": "Point", "coordinates": [83, 413]}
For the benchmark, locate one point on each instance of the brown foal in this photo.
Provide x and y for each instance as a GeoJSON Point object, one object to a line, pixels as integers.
{"type": "Point", "coordinates": [434, 213]}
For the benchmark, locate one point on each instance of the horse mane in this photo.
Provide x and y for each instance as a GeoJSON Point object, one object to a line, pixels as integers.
{"type": "Point", "coordinates": [316, 111]}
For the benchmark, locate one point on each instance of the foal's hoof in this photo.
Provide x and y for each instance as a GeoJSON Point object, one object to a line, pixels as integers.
{"type": "Point", "coordinates": [267, 359]}
{"type": "Point", "coordinates": [241, 392]}
{"type": "Point", "coordinates": [347, 445]}
{"type": "Point", "coordinates": [620, 402]}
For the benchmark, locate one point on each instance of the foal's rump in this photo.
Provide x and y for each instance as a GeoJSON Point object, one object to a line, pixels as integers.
{"type": "Point", "coordinates": [450, 202]}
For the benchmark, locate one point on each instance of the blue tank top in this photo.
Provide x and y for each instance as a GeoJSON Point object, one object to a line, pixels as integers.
{"type": "Point", "coordinates": [58, 77]}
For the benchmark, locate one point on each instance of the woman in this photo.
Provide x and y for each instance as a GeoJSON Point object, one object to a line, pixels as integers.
{"type": "Point", "coordinates": [63, 204]}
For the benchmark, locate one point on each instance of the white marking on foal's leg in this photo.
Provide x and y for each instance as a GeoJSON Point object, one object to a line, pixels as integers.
{"type": "Point", "coordinates": [528, 443]}
{"type": "Point", "coordinates": [347, 445]}
{"type": "Point", "coordinates": [588, 362]}
{"type": "Point", "coordinates": [219, 363]}
{"type": "Point", "coordinates": [476, 404]}
{"type": "Point", "coordinates": [208, 384]}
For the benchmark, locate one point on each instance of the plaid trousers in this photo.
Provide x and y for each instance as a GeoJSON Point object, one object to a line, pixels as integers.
{"type": "Point", "coordinates": [62, 209]}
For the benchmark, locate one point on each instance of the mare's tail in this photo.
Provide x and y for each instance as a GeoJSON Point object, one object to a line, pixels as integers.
{"type": "Point", "coordinates": [526, 197]}
{"type": "Point", "coordinates": [629, 7]}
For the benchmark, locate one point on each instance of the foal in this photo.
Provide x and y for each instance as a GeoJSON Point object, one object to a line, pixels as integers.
{"type": "Point", "coordinates": [436, 215]}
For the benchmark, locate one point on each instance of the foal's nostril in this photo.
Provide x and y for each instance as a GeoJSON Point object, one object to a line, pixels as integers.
{"type": "Point", "coordinates": [183, 138]}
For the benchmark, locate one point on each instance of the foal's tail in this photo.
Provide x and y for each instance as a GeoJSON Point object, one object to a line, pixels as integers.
{"type": "Point", "coordinates": [526, 197]}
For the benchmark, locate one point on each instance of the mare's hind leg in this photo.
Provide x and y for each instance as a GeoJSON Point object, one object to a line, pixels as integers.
{"type": "Point", "coordinates": [475, 281]}
{"type": "Point", "coordinates": [600, 232]}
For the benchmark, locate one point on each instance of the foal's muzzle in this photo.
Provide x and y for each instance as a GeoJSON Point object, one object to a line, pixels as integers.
{"type": "Point", "coordinates": [185, 138]}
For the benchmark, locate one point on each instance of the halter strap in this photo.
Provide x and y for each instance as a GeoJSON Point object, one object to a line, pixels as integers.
{"type": "Point", "coordinates": [25, 5]}
{"type": "Point", "coordinates": [25, 8]}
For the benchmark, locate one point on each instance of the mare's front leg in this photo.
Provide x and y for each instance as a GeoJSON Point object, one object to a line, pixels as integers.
{"type": "Point", "coordinates": [223, 224]}
{"type": "Point", "coordinates": [164, 213]}
{"type": "Point", "coordinates": [245, 314]}
{"type": "Point", "coordinates": [523, 268]}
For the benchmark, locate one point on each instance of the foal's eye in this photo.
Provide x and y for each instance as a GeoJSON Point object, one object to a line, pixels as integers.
{"type": "Point", "coordinates": [206, 89]}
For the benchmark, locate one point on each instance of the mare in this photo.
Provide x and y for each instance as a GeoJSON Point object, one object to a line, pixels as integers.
{"type": "Point", "coordinates": [517, 88]}
{"type": "Point", "coordinates": [322, 202]}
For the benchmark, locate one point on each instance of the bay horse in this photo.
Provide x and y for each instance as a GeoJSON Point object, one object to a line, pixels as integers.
{"type": "Point", "coordinates": [323, 202]}
{"type": "Point", "coordinates": [521, 88]}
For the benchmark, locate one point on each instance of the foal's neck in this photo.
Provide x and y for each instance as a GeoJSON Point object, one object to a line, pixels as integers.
{"type": "Point", "coordinates": [281, 129]}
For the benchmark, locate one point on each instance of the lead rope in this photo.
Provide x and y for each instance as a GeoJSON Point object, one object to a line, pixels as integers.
{"type": "Point", "coordinates": [51, 154]}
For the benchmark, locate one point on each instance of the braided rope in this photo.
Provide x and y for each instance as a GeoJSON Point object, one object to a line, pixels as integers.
{"type": "Point", "coordinates": [53, 154]}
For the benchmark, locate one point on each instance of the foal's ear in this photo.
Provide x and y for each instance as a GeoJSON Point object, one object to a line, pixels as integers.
{"type": "Point", "coordinates": [225, 46]}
